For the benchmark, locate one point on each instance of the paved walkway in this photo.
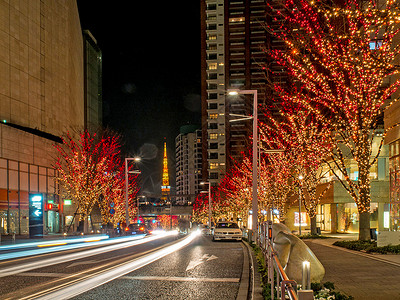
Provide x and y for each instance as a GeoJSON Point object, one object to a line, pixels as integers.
{"type": "Point", "coordinates": [363, 276]}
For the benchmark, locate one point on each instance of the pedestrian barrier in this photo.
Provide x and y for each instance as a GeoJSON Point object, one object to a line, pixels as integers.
{"type": "Point", "coordinates": [283, 286]}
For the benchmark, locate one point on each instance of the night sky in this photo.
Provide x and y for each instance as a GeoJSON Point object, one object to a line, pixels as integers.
{"type": "Point", "coordinates": [151, 74]}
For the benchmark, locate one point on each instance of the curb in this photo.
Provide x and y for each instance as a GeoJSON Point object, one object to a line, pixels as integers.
{"type": "Point", "coordinates": [250, 283]}
{"type": "Point", "coordinates": [243, 293]}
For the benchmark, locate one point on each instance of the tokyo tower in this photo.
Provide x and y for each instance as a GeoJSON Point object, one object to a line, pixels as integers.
{"type": "Point", "coordinates": [165, 188]}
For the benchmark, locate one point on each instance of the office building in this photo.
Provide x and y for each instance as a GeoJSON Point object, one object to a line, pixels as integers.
{"type": "Point", "coordinates": [93, 82]}
{"type": "Point", "coordinates": [41, 96]}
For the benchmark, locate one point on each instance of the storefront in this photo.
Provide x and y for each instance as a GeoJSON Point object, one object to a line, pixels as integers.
{"type": "Point", "coordinates": [17, 181]}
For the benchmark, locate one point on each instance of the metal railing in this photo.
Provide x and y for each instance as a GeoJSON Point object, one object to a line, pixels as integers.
{"type": "Point", "coordinates": [283, 285]}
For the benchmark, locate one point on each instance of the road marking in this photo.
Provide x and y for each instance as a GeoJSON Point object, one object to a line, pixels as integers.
{"type": "Point", "coordinates": [172, 278]}
{"type": "Point", "coordinates": [194, 263]}
{"type": "Point", "coordinates": [168, 278]}
{"type": "Point", "coordinates": [88, 262]}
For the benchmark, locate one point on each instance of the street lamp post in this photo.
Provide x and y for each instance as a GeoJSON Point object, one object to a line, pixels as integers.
{"type": "Point", "coordinates": [300, 186]}
{"type": "Point", "coordinates": [127, 172]}
{"type": "Point", "coordinates": [209, 202]}
{"type": "Point", "coordinates": [255, 142]}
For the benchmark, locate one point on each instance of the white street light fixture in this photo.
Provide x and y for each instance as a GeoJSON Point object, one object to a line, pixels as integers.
{"type": "Point", "coordinates": [300, 178]}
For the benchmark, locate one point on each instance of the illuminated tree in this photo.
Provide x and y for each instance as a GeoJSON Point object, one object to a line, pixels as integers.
{"type": "Point", "coordinates": [236, 188]}
{"type": "Point", "coordinates": [90, 171]}
{"type": "Point", "coordinates": [167, 222]}
{"type": "Point", "coordinates": [200, 209]}
{"type": "Point", "coordinates": [344, 57]}
{"type": "Point", "coordinates": [305, 142]}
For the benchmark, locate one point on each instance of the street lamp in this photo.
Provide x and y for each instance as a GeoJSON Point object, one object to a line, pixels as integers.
{"type": "Point", "coordinates": [300, 179]}
{"type": "Point", "coordinates": [209, 202]}
{"type": "Point", "coordinates": [127, 172]}
{"type": "Point", "coordinates": [255, 142]}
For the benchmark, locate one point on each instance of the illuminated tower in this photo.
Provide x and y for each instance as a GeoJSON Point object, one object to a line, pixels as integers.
{"type": "Point", "coordinates": [165, 188]}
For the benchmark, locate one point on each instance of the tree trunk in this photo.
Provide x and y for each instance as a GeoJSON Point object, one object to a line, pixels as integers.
{"type": "Point", "coordinates": [364, 227]}
{"type": "Point", "coordinates": [313, 225]}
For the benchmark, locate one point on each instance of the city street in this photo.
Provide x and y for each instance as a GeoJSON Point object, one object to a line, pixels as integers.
{"type": "Point", "coordinates": [168, 267]}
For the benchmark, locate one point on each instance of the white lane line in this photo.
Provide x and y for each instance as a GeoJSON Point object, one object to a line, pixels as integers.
{"type": "Point", "coordinates": [163, 278]}
{"type": "Point", "coordinates": [172, 278]}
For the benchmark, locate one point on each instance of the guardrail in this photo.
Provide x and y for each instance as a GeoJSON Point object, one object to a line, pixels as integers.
{"type": "Point", "coordinates": [284, 286]}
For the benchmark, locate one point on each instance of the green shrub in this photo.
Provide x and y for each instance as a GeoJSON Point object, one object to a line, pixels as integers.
{"type": "Point", "coordinates": [368, 246]}
{"type": "Point", "coordinates": [327, 291]}
{"type": "Point", "coordinates": [313, 236]}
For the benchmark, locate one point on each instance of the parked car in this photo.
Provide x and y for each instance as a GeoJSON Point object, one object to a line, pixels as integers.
{"type": "Point", "coordinates": [227, 231]}
{"type": "Point", "coordinates": [137, 228]}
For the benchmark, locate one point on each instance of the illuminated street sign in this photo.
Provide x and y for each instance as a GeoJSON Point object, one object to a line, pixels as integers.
{"type": "Point", "coordinates": [36, 208]}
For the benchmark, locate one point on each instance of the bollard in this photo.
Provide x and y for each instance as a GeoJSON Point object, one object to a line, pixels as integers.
{"type": "Point", "coordinates": [306, 278]}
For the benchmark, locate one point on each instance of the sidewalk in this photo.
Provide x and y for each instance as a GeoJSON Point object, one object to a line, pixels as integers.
{"type": "Point", "coordinates": [361, 275]}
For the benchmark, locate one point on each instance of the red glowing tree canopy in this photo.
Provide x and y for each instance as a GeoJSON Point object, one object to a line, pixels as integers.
{"type": "Point", "coordinates": [90, 171]}
{"type": "Point", "coordinates": [344, 56]}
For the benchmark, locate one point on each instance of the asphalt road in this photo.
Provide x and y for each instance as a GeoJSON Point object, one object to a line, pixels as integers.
{"type": "Point", "coordinates": [202, 270]}
{"type": "Point", "coordinates": [165, 268]}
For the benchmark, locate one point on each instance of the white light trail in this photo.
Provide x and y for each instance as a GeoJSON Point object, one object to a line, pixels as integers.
{"type": "Point", "coordinates": [103, 277]}
{"type": "Point", "coordinates": [60, 241]}
{"type": "Point", "coordinates": [51, 246]}
{"type": "Point", "coordinates": [73, 256]}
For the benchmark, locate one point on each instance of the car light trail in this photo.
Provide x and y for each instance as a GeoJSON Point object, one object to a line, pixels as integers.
{"type": "Point", "coordinates": [73, 256]}
{"type": "Point", "coordinates": [43, 244]}
{"type": "Point", "coordinates": [61, 247]}
{"type": "Point", "coordinates": [103, 277]}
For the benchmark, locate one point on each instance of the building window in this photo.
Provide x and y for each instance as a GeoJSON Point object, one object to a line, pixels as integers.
{"type": "Point", "coordinates": [213, 155]}
{"type": "Point", "coordinates": [213, 116]}
{"type": "Point", "coordinates": [212, 86]}
{"type": "Point", "coordinates": [213, 136]}
{"type": "Point", "coordinates": [212, 66]}
{"type": "Point", "coordinates": [212, 76]}
{"type": "Point", "coordinates": [375, 44]}
{"type": "Point", "coordinates": [211, 6]}
{"type": "Point", "coordinates": [212, 37]}
{"type": "Point", "coordinates": [213, 146]}
{"type": "Point", "coordinates": [212, 106]}
{"type": "Point", "coordinates": [213, 166]}
{"type": "Point", "coordinates": [212, 96]}
{"type": "Point", "coordinates": [213, 175]}
{"type": "Point", "coordinates": [236, 20]}
{"type": "Point", "coordinates": [213, 126]}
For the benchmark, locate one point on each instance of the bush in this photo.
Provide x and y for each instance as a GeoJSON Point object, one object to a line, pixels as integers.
{"type": "Point", "coordinates": [326, 291]}
{"type": "Point", "coordinates": [313, 236]}
{"type": "Point", "coordinates": [368, 246]}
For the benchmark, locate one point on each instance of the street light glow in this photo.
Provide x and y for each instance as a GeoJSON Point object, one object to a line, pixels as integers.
{"type": "Point", "coordinates": [233, 92]}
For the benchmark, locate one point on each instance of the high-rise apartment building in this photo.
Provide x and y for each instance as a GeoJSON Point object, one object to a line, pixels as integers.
{"type": "Point", "coordinates": [41, 96]}
{"type": "Point", "coordinates": [188, 164]}
{"type": "Point", "coordinates": [233, 39]}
